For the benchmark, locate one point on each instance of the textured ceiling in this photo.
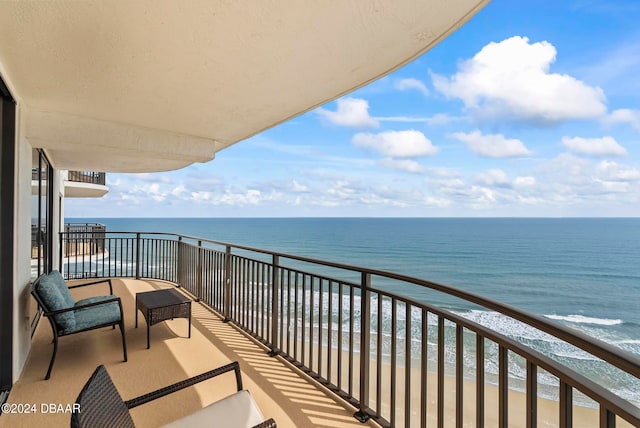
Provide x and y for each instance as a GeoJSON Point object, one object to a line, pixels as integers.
{"type": "Point", "coordinates": [201, 72]}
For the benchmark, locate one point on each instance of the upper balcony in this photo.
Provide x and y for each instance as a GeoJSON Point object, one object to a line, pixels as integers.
{"type": "Point", "coordinates": [77, 184]}
{"type": "Point", "coordinates": [300, 327]}
{"type": "Point", "coordinates": [85, 184]}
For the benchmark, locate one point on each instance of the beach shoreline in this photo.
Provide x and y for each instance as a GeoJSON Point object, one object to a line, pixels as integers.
{"type": "Point", "coordinates": [548, 410]}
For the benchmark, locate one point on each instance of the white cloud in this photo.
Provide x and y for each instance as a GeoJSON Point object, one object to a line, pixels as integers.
{"type": "Point", "coordinates": [523, 182]}
{"type": "Point", "coordinates": [430, 201]}
{"type": "Point", "coordinates": [493, 177]}
{"type": "Point", "coordinates": [201, 196]}
{"type": "Point", "coordinates": [605, 146]}
{"type": "Point", "coordinates": [298, 188]}
{"type": "Point", "coordinates": [396, 144]}
{"type": "Point", "coordinates": [442, 119]}
{"type": "Point", "coordinates": [624, 115]}
{"type": "Point", "coordinates": [512, 79]}
{"type": "Point", "coordinates": [436, 119]}
{"type": "Point", "coordinates": [402, 119]}
{"type": "Point", "coordinates": [177, 191]}
{"type": "Point", "coordinates": [249, 197]}
{"type": "Point", "coordinates": [406, 84]}
{"type": "Point", "coordinates": [492, 145]}
{"type": "Point", "coordinates": [351, 112]}
{"type": "Point", "coordinates": [407, 165]}
{"type": "Point", "coordinates": [613, 171]}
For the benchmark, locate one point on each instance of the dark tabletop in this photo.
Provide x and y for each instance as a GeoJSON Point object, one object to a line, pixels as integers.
{"type": "Point", "coordinates": [160, 298]}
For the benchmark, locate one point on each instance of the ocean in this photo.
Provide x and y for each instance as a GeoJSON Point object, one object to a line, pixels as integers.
{"type": "Point", "coordinates": [581, 272]}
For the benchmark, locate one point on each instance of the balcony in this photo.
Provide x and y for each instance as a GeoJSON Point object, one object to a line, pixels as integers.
{"type": "Point", "coordinates": [90, 177]}
{"type": "Point", "coordinates": [280, 390]}
{"type": "Point", "coordinates": [85, 184]}
{"type": "Point", "coordinates": [314, 320]}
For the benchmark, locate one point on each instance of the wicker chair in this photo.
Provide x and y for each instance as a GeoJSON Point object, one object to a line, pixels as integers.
{"type": "Point", "coordinates": [101, 406]}
{"type": "Point", "coordinates": [67, 316]}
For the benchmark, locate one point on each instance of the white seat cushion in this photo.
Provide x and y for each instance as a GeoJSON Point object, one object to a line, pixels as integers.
{"type": "Point", "coordinates": [235, 411]}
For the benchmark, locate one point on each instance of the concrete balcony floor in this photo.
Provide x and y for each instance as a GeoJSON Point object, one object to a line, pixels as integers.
{"type": "Point", "coordinates": [280, 390]}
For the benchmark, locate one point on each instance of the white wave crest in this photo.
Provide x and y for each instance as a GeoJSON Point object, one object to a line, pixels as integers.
{"type": "Point", "coordinates": [581, 319]}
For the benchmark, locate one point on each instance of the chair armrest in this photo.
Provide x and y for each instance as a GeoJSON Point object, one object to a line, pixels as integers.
{"type": "Point", "coordinates": [95, 282]}
{"type": "Point", "coordinates": [143, 399]}
{"type": "Point", "coordinates": [87, 305]}
{"type": "Point", "coordinates": [269, 423]}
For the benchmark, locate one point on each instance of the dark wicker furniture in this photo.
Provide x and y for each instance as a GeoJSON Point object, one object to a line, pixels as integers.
{"type": "Point", "coordinates": [161, 305]}
{"type": "Point", "coordinates": [86, 314]}
{"type": "Point", "coordinates": [101, 406]}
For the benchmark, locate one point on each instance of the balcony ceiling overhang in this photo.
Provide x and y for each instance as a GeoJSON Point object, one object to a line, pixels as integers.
{"type": "Point", "coordinates": [156, 85]}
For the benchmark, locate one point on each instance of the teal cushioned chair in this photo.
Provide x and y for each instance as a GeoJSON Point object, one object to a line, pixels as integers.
{"type": "Point", "coordinates": [67, 316]}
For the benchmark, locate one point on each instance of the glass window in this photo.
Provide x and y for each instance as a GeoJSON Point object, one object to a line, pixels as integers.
{"type": "Point", "coordinates": [41, 205]}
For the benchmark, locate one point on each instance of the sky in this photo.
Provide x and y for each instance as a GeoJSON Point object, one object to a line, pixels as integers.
{"type": "Point", "coordinates": [530, 109]}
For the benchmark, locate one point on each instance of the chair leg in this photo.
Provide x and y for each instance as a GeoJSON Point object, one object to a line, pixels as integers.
{"type": "Point", "coordinates": [124, 342]}
{"type": "Point", "coordinates": [53, 356]}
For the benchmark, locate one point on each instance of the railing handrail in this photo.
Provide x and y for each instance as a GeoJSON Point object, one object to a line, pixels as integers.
{"type": "Point", "coordinates": [613, 355]}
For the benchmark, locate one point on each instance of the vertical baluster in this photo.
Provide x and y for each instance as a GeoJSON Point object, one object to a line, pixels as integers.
{"type": "Point", "coordinates": [303, 324]}
{"type": "Point", "coordinates": [90, 239]}
{"type": "Point", "coordinates": [423, 368]}
{"type": "Point", "coordinates": [247, 294]}
{"type": "Point", "coordinates": [256, 298]}
{"type": "Point", "coordinates": [199, 254]}
{"type": "Point", "coordinates": [236, 285]}
{"type": "Point", "coordinates": [503, 387]}
{"type": "Point", "coordinates": [607, 418]}
{"type": "Point", "coordinates": [320, 313]}
{"type": "Point", "coordinates": [329, 330]}
{"type": "Point", "coordinates": [479, 381]}
{"type": "Point", "coordinates": [566, 403]}
{"type": "Point", "coordinates": [440, 371]}
{"type": "Point", "coordinates": [365, 343]}
{"type": "Point", "coordinates": [340, 320]}
{"type": "Point", "coordinates": [532, 395]}
{"type": "Point", "coordinates": [228, 287]}
{"type": "Point", "coordinates": [263, 302]}
{"type": "Point", "coordinates": [459, 376]}
{"type": "Point", "coordinates": [394, 329]}
{"type": "Point", "coordinates": [281, 317]}
{"type": "Point", "coordinates": [379, 344]}
{"type": "Point", "coordinates": [288, 312]}
{"type": "Point", "coordinates": [61, 243]}
{"type": "Point", "coordinates": [407, 367]}
{"type": "Point", "coordinates": [351, 313]}
{"type": "Point", "coordinates": [75, 257]}
{"type": "Point", "coordinates": [296, 316]}
{"type": "Point", "coordinates": [311, 310]}
{"type": "Point", "coordinates": [83, 261]}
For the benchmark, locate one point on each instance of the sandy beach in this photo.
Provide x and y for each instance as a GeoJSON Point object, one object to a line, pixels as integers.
{"type": "Point", "coordinates": [547, 414]}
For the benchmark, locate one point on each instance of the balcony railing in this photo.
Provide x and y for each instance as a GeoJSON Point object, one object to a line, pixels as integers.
{"type": "Point", "coordinates": [90, 177]}
{"type": "Point", "coordinates": [84, 240]}
{"type": "Point", "coordinates": [357, 332]}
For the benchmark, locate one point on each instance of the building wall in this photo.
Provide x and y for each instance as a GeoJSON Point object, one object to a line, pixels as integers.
{"type": "Point", "coordinates": [22, 253]}
{"type": "Point", "coordinates": [21, 333]}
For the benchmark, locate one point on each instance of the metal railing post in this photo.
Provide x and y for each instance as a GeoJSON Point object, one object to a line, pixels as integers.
{"type": "Point", "coordinates": [179, 262]}
{"type": "Point", "coordinates": [227, 284]}
{"type": "Point", "coordinates": [274, 307]}
{"type": "Point", "coordinates": [138, 255]}
{"type": "Point", "coordinates": [199, 273]}
{"type": "Point", "coordinates": [60, 252]}
{"type": "Point", "coordinates": [365, 347]}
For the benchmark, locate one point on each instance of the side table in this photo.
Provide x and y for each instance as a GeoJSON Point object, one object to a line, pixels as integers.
{"type": "Point", "coordinates": [162, 305]}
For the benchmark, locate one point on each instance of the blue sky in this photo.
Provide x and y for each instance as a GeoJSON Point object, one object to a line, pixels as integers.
{"type": "Point", "coordinates": [531, 109]}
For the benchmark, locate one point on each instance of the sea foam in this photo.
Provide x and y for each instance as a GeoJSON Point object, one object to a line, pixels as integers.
{"type": "Point", "coordinates": [581, 319]}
